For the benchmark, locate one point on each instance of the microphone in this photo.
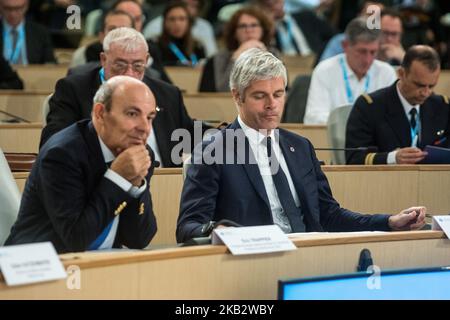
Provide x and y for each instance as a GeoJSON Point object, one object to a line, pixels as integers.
{"type": "Point", "coordinates": [362, 149]}
{"type": "Point", "coordinates": [156, 163]}
{"type": "Point", "coordinates": [365, 260]}
{"type": "Point", "coordinates": [15, 118]}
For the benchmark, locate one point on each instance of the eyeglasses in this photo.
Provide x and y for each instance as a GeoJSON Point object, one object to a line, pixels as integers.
{"type": "Point", "coordinates": [393, 34]}
{"type": "Point", "coordinates": [122, 67]}
{"type": "Point", "coordinates": [248, 26]}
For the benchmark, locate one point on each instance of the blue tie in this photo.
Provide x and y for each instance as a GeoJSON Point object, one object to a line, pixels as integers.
{"type": "Point", "coordinates": [293, 213]}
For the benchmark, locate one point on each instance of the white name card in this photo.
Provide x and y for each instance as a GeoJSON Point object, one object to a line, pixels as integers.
{"type": "Point", "coordinates": [253, 240]}
{"type": "Point", "coordinates": [30, 263]}
{"type": "Point", "coordinates": [441, 223]}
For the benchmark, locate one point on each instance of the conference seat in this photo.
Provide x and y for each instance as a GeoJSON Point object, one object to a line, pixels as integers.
{"type": "Point", "coordinates": [336, 127]}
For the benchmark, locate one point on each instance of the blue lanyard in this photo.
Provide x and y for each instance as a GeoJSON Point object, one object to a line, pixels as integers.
{"type": "Point", "coordinates": [102, 75]}
{"type": "Point", "coordinates": [181, 56]}
{"type": "Point", "coordinates": [348, 89]}
{"type": "Point", "coordinates": [13, 57]}
{"type": "Point", "coordinates": [290, 36]}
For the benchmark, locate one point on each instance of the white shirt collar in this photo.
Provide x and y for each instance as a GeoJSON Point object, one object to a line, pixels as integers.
{"type": "Point", "coordinates": [351, 73]}
{"type": "Point", "coordinates": [8, 27]}
{"type": "Point", "coordinates": [406, 105]}
{"type": "Point", "coordinates": [254, 136]}
{"type": "Point", "coordinates": [107, 154]}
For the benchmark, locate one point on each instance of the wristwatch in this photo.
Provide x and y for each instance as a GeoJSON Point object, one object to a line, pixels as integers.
{"type": "Point", "coordinates": [207, 228]}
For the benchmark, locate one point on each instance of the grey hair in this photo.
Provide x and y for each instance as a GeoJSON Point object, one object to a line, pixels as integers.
{"type": "Point", "coordinates": [127, 38]}
{"type": "Point", "coordinates": [357, 31]}
{"type": "Point", "coordinates": [255, 64]}
{"type": "Point", "coordinates": [105, 92]}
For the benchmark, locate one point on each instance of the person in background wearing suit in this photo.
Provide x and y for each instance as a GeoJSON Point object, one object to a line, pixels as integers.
{"type": "Point", "coordinates": [125, 53]}
{"type": "Point", "coordinates": [9, 79]}
{"type": "Point", "coordinates": [402, 119]}
{"type": "Point", "coordinates": [89, 186]}
{"type": "Point", "coordinates": [247, 188]}
{"type": "Point", "coordinates": [23, 41]}
{"type": "Point", "coordinates": [303, 33]}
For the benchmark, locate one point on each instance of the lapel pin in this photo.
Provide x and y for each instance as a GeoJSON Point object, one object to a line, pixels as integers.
{"type": "Point", "coordinates": [292, 149]}
{"type": "Point", "coordinates": [440, 132]}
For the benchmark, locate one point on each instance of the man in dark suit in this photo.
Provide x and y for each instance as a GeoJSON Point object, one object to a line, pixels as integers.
{"type": "Point", "coordinates": [256, 174]}
{"type": "Point", "coordinates": [23, 41]}
{"type": "Point", "coordinates": [402, 119]}
{"type": "Point", "coordinates": [303, 33]}
{"type": "Point", "coordinates": [89, 187]}
{"type": "Point", "coordinates": [126, 53]}
{"type": "Point", "coordinates": [8, 77]}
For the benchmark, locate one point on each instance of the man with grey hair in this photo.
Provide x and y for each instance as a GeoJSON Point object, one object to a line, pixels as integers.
{"type": "Point", "coordinates": [125, 53]}
{"type": "Point", "coordinates": [247, 188]}
{"type": "Point", "coordinates": [89, 187]}
{"type": "Point", "coordinates": [340, 80]}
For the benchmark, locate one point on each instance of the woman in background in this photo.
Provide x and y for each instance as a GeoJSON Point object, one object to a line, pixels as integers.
{"type": "Point", "coordinates": [178, 47]}
{"type": "Point", "coordinates": [248, 28]}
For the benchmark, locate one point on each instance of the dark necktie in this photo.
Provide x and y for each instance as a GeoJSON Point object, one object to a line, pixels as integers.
{"type": "Point", "coordinates": [413, 114]}
{"type": "Point", "coordinates": [14, 36]}
{"type": "Point", "coordinates": [291, 36]}
{"type": "Point", "coordinates": [293, 213]}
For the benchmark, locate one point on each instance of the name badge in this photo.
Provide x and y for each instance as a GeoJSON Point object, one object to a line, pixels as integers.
{"type": "Point", "coordinates": [441, 223]}
{"type": "Point", "coordinates": [253, 240]}
{"type": "Point", "coordinates": [30, 263]}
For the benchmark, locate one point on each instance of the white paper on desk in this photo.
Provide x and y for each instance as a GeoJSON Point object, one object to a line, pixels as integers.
{"type": "Point", "coordinates": [441, 223]}
{"type": "Point", "coordinates": [30, 263]}
{"type": "Point", "coordinates": [253, 240]}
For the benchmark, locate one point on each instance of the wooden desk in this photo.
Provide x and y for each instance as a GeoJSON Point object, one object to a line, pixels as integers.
{"type": "Point", "coordinates": [25, 104]}
{"type": "Point", "coordinates": [210, 272]}
{"type": "Point", "coordinates": [20, 137]}
{"type": "Point", "coordinates": [187, 79]}
{"type": "Point", "coordinates": [367, 189]}
{"type": "Point", "coordinates": [41, 77]}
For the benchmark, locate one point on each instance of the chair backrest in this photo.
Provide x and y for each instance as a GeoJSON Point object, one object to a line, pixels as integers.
{"type": "Point", "coordinates": [294, 111]}
{"type": "Point", "coordinates": [45, 109]}
{"type": "Point", "coordinates": [78, 57]}
{"type": "Point", "coordinates": [186, 165]}
{"type": "Point", "coordinates": [336, 126]}
{"type": "Point", "coordinates": [92, 19]}
{"type": "Point", "coordinates": [9, 199]}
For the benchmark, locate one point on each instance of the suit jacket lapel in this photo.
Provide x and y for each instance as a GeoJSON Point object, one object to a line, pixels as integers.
{"type": "Point", "coordinates": [431, 121]}
{"type": "Point", "coordinates": [397, 119]}
{"type": "Point", "coordinates": [250, 166]}
{"type": "Point", "coordinates": [161, 135]}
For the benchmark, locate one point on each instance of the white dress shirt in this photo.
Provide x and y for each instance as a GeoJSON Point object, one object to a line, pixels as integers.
{"type": "Point", "coordinates": [202, 31]}
{"type": "Point", "coordinates": [328, 87]}
{"type": "Point", "coordinates": [256, 140]}
{"type": "Point", "coordinates": [125, 185]}
{"type": "Point", "coordinates": [407, 107]}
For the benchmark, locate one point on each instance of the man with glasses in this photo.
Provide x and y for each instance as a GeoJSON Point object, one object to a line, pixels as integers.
{"type": "Point", "coordinates": [391, 49]}
{"type": "Point", "coordinates": [23, 41]}
{"type": "Point", "coordinates": [125, 53]}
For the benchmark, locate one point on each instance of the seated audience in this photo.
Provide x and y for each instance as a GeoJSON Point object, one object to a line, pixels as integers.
{"type": "Point", "coordinates": [340, 80]}
{"type": "Point", "coordinates": [278, 176]}
{"type": "Point", "coordinates": [89, 187]}
{"type": "Point", "coordinates": [402, 119]}
{"type": "Point", "coordinates": [125, 52]}
{"type": "Point", "coordinates": [248, 28]}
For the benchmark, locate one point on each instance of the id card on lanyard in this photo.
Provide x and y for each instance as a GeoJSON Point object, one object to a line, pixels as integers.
{"type": "Point", "coordinates": [176, 51]}
{"type": "Point", "coordinates": [348, 89]}
{"type": "Point", "coordinates": [13, 56]}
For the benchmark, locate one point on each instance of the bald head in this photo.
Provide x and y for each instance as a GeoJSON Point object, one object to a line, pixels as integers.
{"type": "Point", "coordinates": [123, 111]}
{"type": "Point", "coordinates": [426, 55]}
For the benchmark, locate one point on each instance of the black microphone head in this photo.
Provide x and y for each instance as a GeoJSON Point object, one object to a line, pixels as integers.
{"type": "Point", "coordinates": [156, 163]}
